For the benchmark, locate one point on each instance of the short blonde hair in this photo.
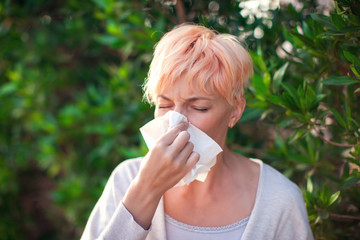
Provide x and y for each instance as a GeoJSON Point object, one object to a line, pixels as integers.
{"type": "Point", "coordinates": [207, 60]}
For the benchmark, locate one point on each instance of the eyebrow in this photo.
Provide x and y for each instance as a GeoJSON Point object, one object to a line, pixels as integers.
{"type": "Point", "coordinates": [191, 99]}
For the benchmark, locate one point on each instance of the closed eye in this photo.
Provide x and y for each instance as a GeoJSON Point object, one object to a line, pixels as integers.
{"type": "Point", "coordinates": [164, 107]}
{"type": "Point", "coordinates": [200, 109]}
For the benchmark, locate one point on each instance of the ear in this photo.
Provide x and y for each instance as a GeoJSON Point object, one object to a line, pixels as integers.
{"type": "Point", "coordinates": [237, 112]}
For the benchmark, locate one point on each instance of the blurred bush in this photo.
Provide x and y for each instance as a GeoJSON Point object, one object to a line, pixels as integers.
{"type": "Point", "coordinates": [71, 102]}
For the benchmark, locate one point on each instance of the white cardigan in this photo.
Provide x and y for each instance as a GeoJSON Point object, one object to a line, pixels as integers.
{"type": "Point", "coordinates": [279, 212]}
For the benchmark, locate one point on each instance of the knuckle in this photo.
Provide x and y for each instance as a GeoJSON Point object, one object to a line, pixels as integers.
{"type": "Point", "coordinates": [194, 156]}
{"type": "Point", "coordinates": [191, 145]}
{"type": "Point", "coordinates": [182, 133]}
{"type": "Point", "coordinates": [158, 146]}
{"type": "Point", "coordinates": [182, 126]}
{"type": "Point", "coordinates": [161, 142]}
{"type": "Point", "coordinates": [186, 135]}
{"type": "Point", "coordinates": [167, 156]}
{"type": "Point", "coordinates": [176, 129]}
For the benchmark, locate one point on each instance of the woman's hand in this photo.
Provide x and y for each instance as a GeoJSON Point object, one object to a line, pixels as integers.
{"type": "Point", "coordinates": [169, 161]}
{"type": "Point", "coordinates": [165, 165]}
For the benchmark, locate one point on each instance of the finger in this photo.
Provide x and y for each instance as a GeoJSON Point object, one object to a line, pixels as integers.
{"type": "Point", "coordinates": [185, 153]}
{"type": "Point", "coordinates": [179, 142]}
{"type": "Point", "coordinates": [172, 133]}
{"type": "Point", "coordinates": [192, 160]}
{"type": "Point", "coordinates": [182, 126]}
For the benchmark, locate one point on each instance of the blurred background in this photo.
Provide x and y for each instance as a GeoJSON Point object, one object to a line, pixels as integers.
{"type": "Point", "coordinates": [71, 102]}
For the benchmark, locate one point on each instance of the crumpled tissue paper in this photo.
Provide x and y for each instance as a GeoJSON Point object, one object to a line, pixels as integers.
{"type": "Point", "coordinates": [207, 148]}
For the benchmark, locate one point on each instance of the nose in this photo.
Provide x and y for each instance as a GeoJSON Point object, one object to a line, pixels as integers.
{"type": "Point", "coordinates": [181, 109]}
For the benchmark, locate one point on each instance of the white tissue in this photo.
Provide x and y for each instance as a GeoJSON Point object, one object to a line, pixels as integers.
{"type": "Point", "coordinates": [203, 144]}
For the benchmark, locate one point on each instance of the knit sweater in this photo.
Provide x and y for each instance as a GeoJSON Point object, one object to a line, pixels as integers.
{"type": "Point", "coordinates": [279, 212]}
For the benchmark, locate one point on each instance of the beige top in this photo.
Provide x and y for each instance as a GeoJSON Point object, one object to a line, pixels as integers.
{"type": "Point", "coordinates": [279, 211]}
{"type": "Point", "coordinates": [176, 230]}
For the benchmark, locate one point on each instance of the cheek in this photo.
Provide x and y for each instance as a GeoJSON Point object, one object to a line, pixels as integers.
{"type": "Point", "coordinates": [214, 126]}
{"type": "Point", "coordinates": [204, 123]}
{"type": "Point", "coordinates": [159, 113]}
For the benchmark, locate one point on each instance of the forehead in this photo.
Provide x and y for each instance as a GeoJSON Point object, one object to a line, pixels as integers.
{"type": "Point", "coordinates": [182, 89]}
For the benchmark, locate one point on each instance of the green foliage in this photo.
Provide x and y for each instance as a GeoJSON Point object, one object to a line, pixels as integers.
{"type": "Point", "coordinates": [71, 103]}
{"type": "Point", "coordinates": [310, 96]}
{"type": "Point", "coordinates": [66, 108]}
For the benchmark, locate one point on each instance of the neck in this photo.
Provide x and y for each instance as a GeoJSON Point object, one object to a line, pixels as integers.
{"type": "Point", "coordinates": [228, 193]}
{"type": "Point", "coordinates": [220, 176]}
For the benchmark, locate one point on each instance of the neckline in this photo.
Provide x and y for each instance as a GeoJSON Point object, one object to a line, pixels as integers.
{"type": "Point", "coordinates": [160, 213]}
{"type": "Point", "coordinates": [260, 180]}
{"type": "Point", "coordinates": [258, 191]}
{"type": "Point", "coordinates": [200, 229]}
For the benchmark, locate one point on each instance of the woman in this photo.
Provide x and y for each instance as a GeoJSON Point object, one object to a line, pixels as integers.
{"type": "Point", "coordinates": [201, 75]}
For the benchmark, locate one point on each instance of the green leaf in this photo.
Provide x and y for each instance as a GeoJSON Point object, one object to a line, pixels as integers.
{"type": "Point", "coordinates": [300, 117]}
{"type": "Point", "coordinates": [338, 117]}
{"type": "Point", "coordinates": [292, 10]}
{"type": "Point", "coordinates": [296, 135]}
{"type": "Point", "coordinates": [355, 70]}
{"type": "Point", "coordinates": [299, 158]}
{"type": "Point", "coordinates": [323, 21]}
{"type": "Point", "coordinates": [354, 19]}
{"type": "Point", "coordinates": [307, 31]}
{"type": "Point", "coordinates": [353, 160]}
{"type": "Point", "coordinates": [324, 196]}
{"type": "Point", "coordinates": [305, 40]}
{"type": "Point", "coordinates": [350, 181]}
{"type": "Point", "coordinates": [267, 79]}
{"type": "Point", "coordinates": [274, 99]}
{"type": "Point", "coordinates": [279, 142]}
{"type": "Point", "coordinates": [251, 114]}
{"type": "Point", "coordinates": [318, 99]}
{"type": "Point", "coordinates": [309, 185]}
{"type": "Point", "coordinates": [259, 60]}
{"type": "Point", "coordinates": [313, 154]}
{"type": "Point", "coordinates": [351, 57]}
{"type": "Point", "coordinates": [348, 113]}
{"type": "Point", "coordinates": [101, 3]}
{"type": "Point", "coordinates": [287, 35]}
{"type": "Point", "coordinates": [308, 98]}
{"type": "Point", "coordinates": [8, 88]}
{"type": "Point", "coordinates": [260, 87]}
{"type": "Point", "coordinates": [357, 124]}
{"type": "Point", "coordinates": [342, 80]}
{"type": "Point", "coordinates": [338, 21]}
{"type": "Point", "coordinates": [130, 152]}
{"type": "Point", "coordinates": [260, 104]}
{"type": "Point", "coordinates": [285, 123]}
{"type": "Point", "coordinates": [279, 75]}
{"type": "Point", "coordinates": [108, 40]}
{"type": "Point", "coordinates": [292, 92]}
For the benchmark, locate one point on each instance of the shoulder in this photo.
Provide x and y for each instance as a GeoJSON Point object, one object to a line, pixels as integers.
{"type": "Point", "coordinates": [127, 170]}
{"type": "Point", "coordinates": [278, 188]}
{"type": "Point", "coordinates": [274, 176]}
{"type": "Point", "coordinates": [121, 178]}
{"type": "Point", "coordinates": [130, 166]}
{"type": "Point", "coordinates": [279, 208]}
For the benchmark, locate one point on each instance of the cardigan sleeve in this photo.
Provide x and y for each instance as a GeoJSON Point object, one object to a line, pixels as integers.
{"type": "Point", "coordinates": [110, 219]}
{"type": "Point", "coordinates": [279, 212]}
{"type": "Point", "coordinates": [293, 221]}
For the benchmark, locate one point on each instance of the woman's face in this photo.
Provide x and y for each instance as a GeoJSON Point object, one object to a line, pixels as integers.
{"type": "Point", "coordinates": [212, 114]}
